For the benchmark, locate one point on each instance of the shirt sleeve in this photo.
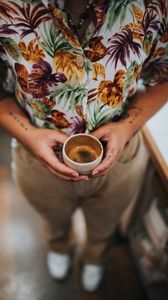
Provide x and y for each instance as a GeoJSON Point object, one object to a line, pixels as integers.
{"type": "Point", "coordinates": [155, 68]}
{"type": "Point", "coordinates": [7, 79]}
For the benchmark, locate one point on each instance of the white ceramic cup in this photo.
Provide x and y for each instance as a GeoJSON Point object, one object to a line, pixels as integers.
{"type": "Point", "coordinates": [78, 140]}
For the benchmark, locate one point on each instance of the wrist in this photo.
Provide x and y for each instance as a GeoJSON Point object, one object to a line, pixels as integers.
{"type": "Point", "coordinates": [21, 128]}
{"type": "Point", "coordinates": [127, 129]}
{"type": "Point", "coordinates": [133, 121]}
{"type": "Point", "coordinates": [30, 136]}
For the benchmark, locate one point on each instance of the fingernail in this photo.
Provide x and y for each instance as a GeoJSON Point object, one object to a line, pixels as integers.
{"type": "Point", "coordinates": [84, 177]}
{"type": "Point", "coordinates": [95, 173]}
{"type": "Point", "coordinates": [75, 174]}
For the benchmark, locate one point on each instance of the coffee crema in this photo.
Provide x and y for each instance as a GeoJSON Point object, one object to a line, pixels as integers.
{"type": "Point", "coordinates": [82, 154]}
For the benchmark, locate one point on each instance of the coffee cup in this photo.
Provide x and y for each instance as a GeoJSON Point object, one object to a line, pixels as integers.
{"type": "Point", "coordinates": [82, 152]}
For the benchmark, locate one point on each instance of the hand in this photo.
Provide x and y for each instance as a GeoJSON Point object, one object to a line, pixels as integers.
{"type": "Point", "coordinates": [116, 136]}
{"type": "Point", "coordinates": [41, 145]}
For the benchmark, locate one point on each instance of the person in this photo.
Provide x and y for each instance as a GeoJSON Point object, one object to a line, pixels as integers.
{"type": "Point", "coordinates": [81, 66]}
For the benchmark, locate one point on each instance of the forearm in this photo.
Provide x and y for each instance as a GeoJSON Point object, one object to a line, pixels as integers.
{"type": "Point", "coordinates": [14, 120]}
{"type": "Point", "coordinates": [39, 141]}
{"type": "Point", "coordinates": [143, 106]}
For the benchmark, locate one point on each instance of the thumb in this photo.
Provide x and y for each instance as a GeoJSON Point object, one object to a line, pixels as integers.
{"type": "Point", "coordinates": [99, 133]}
{"type": "Point", "coordinates": [60, 136]}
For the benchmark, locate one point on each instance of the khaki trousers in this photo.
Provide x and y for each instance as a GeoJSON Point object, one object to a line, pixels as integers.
{"type": "Point", "coordinates": [102, 199]}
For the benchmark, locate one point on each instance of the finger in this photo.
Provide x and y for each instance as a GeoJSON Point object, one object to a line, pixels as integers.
{"type": "Point", "coordinates": [80, 178]}
{"type": "Point", "coordinates": [99, 133]}
{"type": "Point", "coordinates": [62, 170]}
{"type": "Point", "coordinates": [100, 174]}
{"type": "Point", "coordinates": [51, 159]}
{"type": "Point", "coordinates": [54, 172]}
{"type": "Point", "coordinates": [110, 157]}
{"type": "Point", "coordinates": [105, 169]}
{"type": "Point", "coordinates": [60, 137]}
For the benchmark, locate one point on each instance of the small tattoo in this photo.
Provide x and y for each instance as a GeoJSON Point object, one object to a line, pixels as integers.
{"type": "Point", "coordinates": [18, 121]}
{"type": "Point", "coordinates": [136, 115]}
{"type": "Point", "coordinates": [110, 155]}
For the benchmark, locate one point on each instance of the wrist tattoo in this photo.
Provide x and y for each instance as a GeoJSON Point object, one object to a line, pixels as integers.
{"type": "Point", "coordinates": [136, 114]}
{"type": "Point", "coordinates": [110, 155]}
{"type": "Point", "coordinates": [15, 117]}
{"type": "Point", "coordinates": [112, 150]}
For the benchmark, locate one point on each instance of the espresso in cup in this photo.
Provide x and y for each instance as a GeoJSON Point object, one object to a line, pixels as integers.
{"type": "Point", "coordinates": [82, 152]}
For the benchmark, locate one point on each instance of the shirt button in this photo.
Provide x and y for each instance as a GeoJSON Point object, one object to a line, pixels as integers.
{"type": "Point", "coordinates": [79, 62]}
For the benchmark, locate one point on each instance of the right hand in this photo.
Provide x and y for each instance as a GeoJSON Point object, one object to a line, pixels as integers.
{"type": "Point", "coordinates": [41, 145]}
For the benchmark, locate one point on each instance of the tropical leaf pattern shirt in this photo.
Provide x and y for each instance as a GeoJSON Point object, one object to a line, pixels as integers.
{"type": "Point", "coordinates": [77, 86]}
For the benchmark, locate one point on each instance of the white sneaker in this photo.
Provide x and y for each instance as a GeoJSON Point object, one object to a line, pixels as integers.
{"type": "Point", "coordinates": [91, 277]}
{"type": "Point", "coordinates": [58, 265]}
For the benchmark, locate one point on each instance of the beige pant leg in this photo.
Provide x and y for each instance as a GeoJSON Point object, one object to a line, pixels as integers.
{"type": "Point", "coordinates": [53, 198]}
{"type": "Point", "coordinates": [103, 199]}
{"type": "Point", "coordinates": [103, 208]}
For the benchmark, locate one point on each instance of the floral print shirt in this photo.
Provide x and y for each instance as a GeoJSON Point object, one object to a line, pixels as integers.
{"type": "Point", "coordinates": [77, 86]}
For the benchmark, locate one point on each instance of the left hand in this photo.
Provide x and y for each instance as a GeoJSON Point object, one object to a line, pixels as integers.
{"type": "Point", "coordinates": [116, 135]}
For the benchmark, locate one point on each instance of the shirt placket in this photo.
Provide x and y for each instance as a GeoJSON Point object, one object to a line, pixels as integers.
{"type": "Point", "coordinates": [57, 13]}
{"type": "Point", "coordinates": [60, 18]}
